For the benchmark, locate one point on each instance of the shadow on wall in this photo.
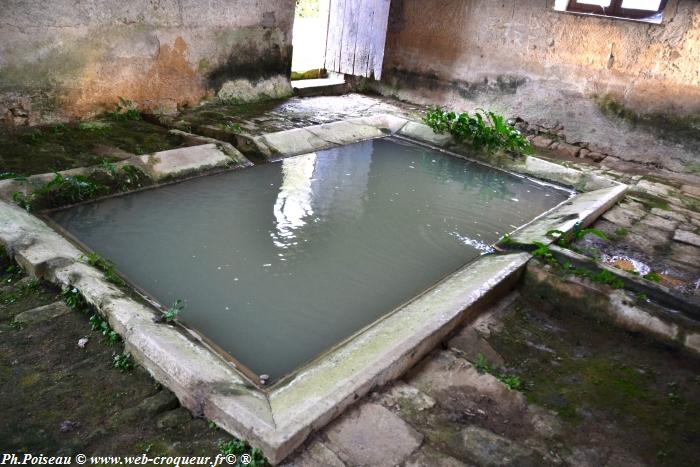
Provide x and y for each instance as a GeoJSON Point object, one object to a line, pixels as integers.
{"type": "Point", "coordinates": [75, 59]}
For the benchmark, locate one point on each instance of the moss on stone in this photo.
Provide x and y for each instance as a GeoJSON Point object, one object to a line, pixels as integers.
{"type": "Point", "coordinates": [600, 379]}
{"type": "Point", "coordinates": [52, 148]}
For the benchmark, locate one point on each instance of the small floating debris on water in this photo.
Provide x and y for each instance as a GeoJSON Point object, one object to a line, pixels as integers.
{"type": "Point", "coordinates": [515, 199]}
{"type": "Point", "coordinates": [264, 379]}
{"type": "Point", "coordinates": [267, 265]}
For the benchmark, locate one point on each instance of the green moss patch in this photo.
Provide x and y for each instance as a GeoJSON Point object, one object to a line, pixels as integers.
{"type": "Point", "coordinates": [35, 150]}
{"type": "Point", "coordinates": [605, 383]}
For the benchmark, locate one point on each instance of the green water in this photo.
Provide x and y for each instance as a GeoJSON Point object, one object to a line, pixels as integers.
{"type": "Point", "coordinates": [279, 262]}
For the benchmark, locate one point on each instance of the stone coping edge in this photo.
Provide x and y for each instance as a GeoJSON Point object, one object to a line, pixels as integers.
{"type": "Point", "coordinates": [277, 420]}
{"type": "Point", "coordinates": [280, 418]}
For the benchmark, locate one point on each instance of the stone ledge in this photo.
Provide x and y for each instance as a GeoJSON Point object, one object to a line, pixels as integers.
{"type": "Point", "coordinates": [329, 135]}
{"type": "Point", "coordinates": [277, 420]}
{"type": "Point", "coordinates": [180, 162]}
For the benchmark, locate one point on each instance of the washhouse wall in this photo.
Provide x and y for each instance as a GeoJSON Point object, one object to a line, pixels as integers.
{"type": "Point", "coordinates": [66, 58]}
{"type": "Point", "coordinates": [437, 48]}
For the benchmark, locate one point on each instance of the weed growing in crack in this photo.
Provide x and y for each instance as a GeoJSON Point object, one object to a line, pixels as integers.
{"type": "Point", "coordinates": [124, 362]}
{"type": "Point", "coordinates": [59, 191]}
{"type": "Point", "coordinates": [75, 300]}
{"type": "Point", "coordinates": [106, 266]}
{"type": "Point", "coordinates": [171, 313]}
{"type": "Point", "coordinates": [240, 448]}
{"type": "Point", "coordinates": [125, 110]}
{"type": "Point", "coordinates": [99, 324]}
{"type": "Point", "coordinates": [653, 277]}
{"type": "Point", "coordinates": [514, 383]}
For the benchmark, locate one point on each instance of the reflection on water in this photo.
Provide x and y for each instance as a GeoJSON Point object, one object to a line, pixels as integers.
{"type": "Point", "coordinates": [279, 262]}
{"type": "Point", "coordinates": [293, 205]}
{"type": "Point", "coordinates": [313, 189]}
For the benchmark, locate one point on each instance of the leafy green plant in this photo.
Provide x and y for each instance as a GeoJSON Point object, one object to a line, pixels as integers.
{"type": "Point", "coordinates": [513, 382]}
{"type": "Point", "coordinates": [10, 176]}
{"type": "Point", "coordinates": [238, 447]}
{"type": "Point", "coordinates": [481, 365]}
{"type": "Point", "coordinates": [22, 200]}
{"type": "Point", "coordinates": [577, 233]}
{"type": "Point", "coordinates": [125, 110]}
{"type": "Point", "coordinates": [484, 130]}
{"type": "Point", "coordinates": [173, 311]}
{"type": "Point", "coordinates": [59, 191]}
{"type": "Point", "coordinates": [653, 277]}
{"type": "Point", "coordinates": [106, 266]}
{"type": "Point", "coordinates": [123, 362]}
{"type": "Point", "coordinates": [621, 232]}
{"type": "Point", "coordinates": [233, 127]}
{"type": "Point", "coordinates": [99, 324]}
{"type": "Point", "coordinates": [506, 241]}
{"type": "Point", "coordinates": [543, 251]}
{"type": "Point", "coordinates": [97, 127]}
{"type": "Point", "coordinates": [75, 299]}
{"type": "Point", "coordinates": [606, 277]}
{"type": "Point", "coordinates": [109, 167]}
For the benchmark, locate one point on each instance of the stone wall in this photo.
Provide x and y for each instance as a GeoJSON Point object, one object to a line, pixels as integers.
{"type": "Point", "coordinates": [440, 49]}
{"type": "Point", "coordinates": [66, 59]}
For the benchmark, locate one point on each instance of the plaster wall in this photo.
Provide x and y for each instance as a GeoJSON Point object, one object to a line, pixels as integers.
{"type": "Point", "coordinates": [66, 59]}
{"type": "Point", "coordinates": [463, 47]}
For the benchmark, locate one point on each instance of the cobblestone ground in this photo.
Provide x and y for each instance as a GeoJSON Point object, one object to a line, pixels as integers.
{"type": "Point", "coordinates": [527, 384]}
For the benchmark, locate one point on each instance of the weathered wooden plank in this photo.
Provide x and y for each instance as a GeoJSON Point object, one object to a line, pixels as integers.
{"type": "Point", "coordinates": [378, 40]}
{"type": "Point", "coordinates": [357, 36]}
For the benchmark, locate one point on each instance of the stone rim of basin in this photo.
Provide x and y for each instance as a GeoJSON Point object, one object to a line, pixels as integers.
{"type": "Point", "coordinates": [279, 418]}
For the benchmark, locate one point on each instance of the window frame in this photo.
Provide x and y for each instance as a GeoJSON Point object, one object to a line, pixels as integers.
{"type": "Point", "coordinates": [615, 10]}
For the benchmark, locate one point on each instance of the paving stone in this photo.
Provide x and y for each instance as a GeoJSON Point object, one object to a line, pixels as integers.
{"type": "Point", "coordinates": [486, 448]}
{"type": "Point", "coordinates": [658, 222]}
{"type": "Point", "coordinates": [684, 236]}
{"type": "Point", "coordinates": [401, 394]}
{"type": "Point", "coordinates": [181, 161]}
{"type": "Point", "coordinates": [647, 238]}
{"type": "Point", "coordinates": [174, 418]}
{"type": "Point", "coordinates": [471, 344]}
{"type": "Point", "coordinates": [427, 457]}
{"type": "Point", "coordinates": [42, 313]}
{"type": "Point", "coordinates": [685, 254]}
{"type": "Point", "coordinates": [666, 214]}
{"type": "Point", "coordinates": [544, 422]}
{"type": "Point", "coordinates": [625, 217]}
{"type": "Point", "coordinates": [445, 376]}
{"type": "Point", "coordinates": [658, 189]}
{"type": "Point", "coordinates": [692, 190]}
{"type": "Point", "coordinates": [316, 454]}
{"type": "Point", "coordinates": [158, 403]}
{"type": "Point", "coordinates": [370, 434]}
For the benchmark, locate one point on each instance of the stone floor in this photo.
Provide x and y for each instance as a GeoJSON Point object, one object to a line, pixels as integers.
{"type": "Point", "coordinates": [580, 400]}
{"type": "Point", "coordinates": [582, 392]}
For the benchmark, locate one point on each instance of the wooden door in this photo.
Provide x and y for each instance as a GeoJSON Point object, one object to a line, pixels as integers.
{"type": "Point", "coordinates": [357, 36]}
